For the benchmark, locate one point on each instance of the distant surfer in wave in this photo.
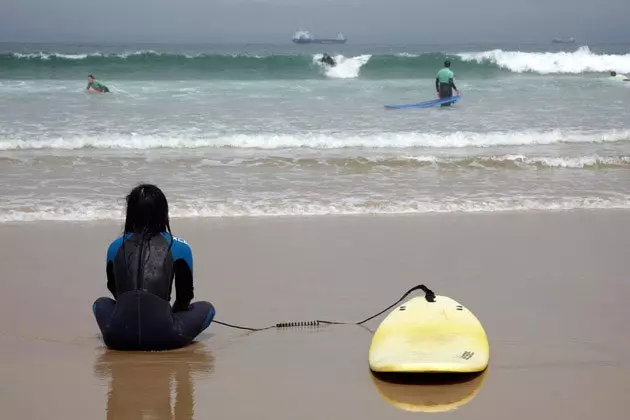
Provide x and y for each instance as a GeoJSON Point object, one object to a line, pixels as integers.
{"type": "Point", "coordinates": [444, 84]}
{"type": "Point", "coordinates": [621, 77]}
{"type": "Point", "coordinates": [326, 59]}
{"type": "Point", "coordinates": [95, 85]}
{"type": "Point", "coordinates": [141, 267]}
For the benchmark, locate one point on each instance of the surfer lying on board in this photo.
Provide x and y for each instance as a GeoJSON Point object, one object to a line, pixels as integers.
{"type": "Point", "coordinates": [326, 59]}
{"type": "Point", "coordinates": [95, 85]}
{"type": "Point", "coordinates": [140, 267]}
{"type": "Point", "coordinates": [444, 83]}
{"type": "Point", "coordinates": [621, 77]}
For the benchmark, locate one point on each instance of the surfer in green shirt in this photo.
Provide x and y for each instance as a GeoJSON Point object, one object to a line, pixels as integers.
{"type": "Point", "coordinates": [444, 83]}
{"type": "Point", "coordinates": [96, 85]}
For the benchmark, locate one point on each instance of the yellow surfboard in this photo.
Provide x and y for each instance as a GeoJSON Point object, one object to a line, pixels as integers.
{"type": "Point", "coordinates": [423, 336]}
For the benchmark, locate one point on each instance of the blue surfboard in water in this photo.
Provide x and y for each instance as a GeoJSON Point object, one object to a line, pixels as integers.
{"type": "Point", "coordinates": [427, 104]}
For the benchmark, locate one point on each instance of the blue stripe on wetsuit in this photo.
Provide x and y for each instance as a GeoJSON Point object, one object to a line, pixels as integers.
{"type": "Point", "coordinates": [180, 249]}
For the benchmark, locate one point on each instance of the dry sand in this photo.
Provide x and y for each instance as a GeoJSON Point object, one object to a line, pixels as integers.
{"type": "Point", "coordinates": [550, 288]}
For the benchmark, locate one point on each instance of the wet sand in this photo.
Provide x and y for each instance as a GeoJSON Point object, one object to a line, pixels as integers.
{"type": "Point", "coordinates": [550, 289]}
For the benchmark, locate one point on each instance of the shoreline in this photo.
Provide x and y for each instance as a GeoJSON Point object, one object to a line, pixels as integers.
{"type": "Point", "coordinates": [310, 217]}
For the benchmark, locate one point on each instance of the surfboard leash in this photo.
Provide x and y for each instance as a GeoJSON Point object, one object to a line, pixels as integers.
{"type": "Point", "coordinates": [429, 295]}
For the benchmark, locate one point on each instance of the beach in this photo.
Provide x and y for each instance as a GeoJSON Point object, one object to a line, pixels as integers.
{"type": "Point", "coordinates": [549, 287]}
{"type": "Point", "coordinates": [304, 198]}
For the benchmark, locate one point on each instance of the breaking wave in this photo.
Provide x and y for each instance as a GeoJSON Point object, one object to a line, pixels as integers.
{"type": "Point", "coordinates": [155, 65]}
{"type": "Point", "coordinates": [457, 139]}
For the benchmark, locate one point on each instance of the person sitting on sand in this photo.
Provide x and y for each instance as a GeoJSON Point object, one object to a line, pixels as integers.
{"type": "Point", "coordinates": [95, 85]}
{"type": "Point", "coordinates": [140, 267]}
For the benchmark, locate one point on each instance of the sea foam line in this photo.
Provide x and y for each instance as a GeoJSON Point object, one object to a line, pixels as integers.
{"type": "Point", "coordinates": [306, 161]}
{"type": "Point", "coordinates": [522, 160]}
{"type": "Point", "coordinates": [98, 210]}
{"type": "Point", "coordinates": [457, 139]}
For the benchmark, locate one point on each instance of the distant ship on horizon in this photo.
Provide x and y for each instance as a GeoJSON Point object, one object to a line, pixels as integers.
{"type": "Point", "coordinates": [305, 37]}
{"type": "Point", "coordinates": [563, 41]}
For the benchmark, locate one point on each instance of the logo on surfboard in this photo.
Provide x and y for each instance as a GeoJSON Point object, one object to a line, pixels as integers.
{"type": "Point", "coordinates": [467, 355]}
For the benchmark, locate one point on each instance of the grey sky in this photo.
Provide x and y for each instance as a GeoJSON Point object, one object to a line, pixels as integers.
{"type": "Point", "coordinates": [363, 21]}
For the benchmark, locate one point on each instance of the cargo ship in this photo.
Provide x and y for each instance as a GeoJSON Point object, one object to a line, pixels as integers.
{"type": "Point", "coordinates": [563, 41]}
{"type": "Point", "coordinates": [305, 37]}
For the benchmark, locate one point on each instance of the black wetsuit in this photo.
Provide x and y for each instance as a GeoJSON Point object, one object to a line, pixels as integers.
{"type": "Point", "coordinates": [140, 274]}
{"type": "Point", "coordinates": [328, 60]}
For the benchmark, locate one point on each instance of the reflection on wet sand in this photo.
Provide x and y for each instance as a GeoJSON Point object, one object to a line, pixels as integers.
{"type": "Point", "coordinates": [140, 383]}
{"type": "Point", "coordinates": [429, 393]}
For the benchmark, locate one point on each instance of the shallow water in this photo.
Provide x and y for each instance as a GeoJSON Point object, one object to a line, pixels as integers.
{"type": "Point", "coordinates": [266, 130]}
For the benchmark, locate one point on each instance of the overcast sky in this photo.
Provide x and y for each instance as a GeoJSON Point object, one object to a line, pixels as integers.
{"type": "Point", "coordinates": [362, 21]}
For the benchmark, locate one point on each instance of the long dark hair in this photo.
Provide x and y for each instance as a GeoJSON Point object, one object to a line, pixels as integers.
{"type": "Point", "coordinates": [147, 215]}
{"type": "Point", "coordinates": [147, 211]}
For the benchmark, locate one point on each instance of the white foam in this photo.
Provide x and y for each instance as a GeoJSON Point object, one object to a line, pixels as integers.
{"type": "Point", "coordinates": [47, 56]}
{"type": "Point", "coordinates": [457, 139]}
{"type": "Point", "coordinates": [520, 160]}
{"type": "Point", "coordinates": [345, 68]}
{"type": "Point", "coordinates": [426, 159]}
{"type": "Point", "coordinates": [95, 210]}
{"type": "Point", "coordinates": [140, 52]}
{"type": "Point", "coordinates": [304, 159]}
{"type": "Point", "coordinates": [563, 162]}
{"type": "Point", "coordinates": [580, 61]}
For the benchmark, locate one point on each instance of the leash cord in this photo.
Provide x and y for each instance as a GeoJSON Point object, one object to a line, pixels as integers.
{"type": "Point", "coordinates": [429, 295]}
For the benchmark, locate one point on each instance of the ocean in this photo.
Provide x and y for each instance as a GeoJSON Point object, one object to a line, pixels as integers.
{"type": "Point", "coordinates": [265, 130]}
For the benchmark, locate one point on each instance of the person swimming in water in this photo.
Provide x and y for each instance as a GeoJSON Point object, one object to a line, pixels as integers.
{"type": "Point", "coordinates": [96, 85]}
{"type": "Point", "coordinates": [326, 59]}
{"type": "Point", "coordinates": [444, 84]}
{"type": "Point", "coordinates": [621, 77]}
{"type": "Point", "coordinates": [140, 267]}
